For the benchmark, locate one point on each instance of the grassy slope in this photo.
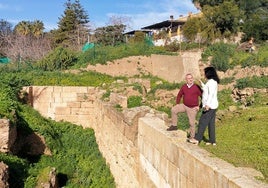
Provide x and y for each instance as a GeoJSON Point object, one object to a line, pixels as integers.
{"type": "Point", "coordinates": [242, 139]}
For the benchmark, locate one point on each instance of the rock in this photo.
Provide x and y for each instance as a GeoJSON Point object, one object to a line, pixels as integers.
{"type": "Point", "coordinates": [8, 134]}
{"type": "Point", "coordinates": [232, 108]}
{"type": "Point", "coordinates": [3, 175]}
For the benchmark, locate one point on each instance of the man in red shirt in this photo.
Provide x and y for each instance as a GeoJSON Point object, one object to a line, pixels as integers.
{"type": "Point", "coordinates": [190, 93]}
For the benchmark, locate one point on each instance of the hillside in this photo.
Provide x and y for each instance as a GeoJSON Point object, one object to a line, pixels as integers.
{"type": "Point", "coordinates": [241, 107]}
{"type": "Point", "coordinates": [134, 68]}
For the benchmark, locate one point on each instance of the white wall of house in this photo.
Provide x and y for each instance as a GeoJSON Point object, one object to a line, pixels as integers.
{"type": "Point", "coordinates": [163, 42]}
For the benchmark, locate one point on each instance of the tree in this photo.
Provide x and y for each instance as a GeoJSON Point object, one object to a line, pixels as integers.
{"type": "Point", "coordinates": [255, 22]}
{"type": "Point", "coordinates": [256, 27]}
{"type": "Point", "coordinates": [249, 6]}
{"type": "Point", "coordinates": [222, 20]}
{"type": "Point", "coordinates": [5, 27]}
{"type": "Point", "coordinates": [5, 32]}
{"type": "Point", "coordinates": [224, 17]}
{"type": "Point", "coordinates": [73, 29]}
{"type": "Point", "coordinates": [83, 20]}
{"type": "Point", "coordinates": [37, 28]}
{"type": "Point", "coordinates": [201, 3]}
{"type": "Point", "coordinates": [110, 35]}
{"type": "Point", "coordinates": [27, 41]}
{"type": "Point", "coordinates": [119, 20]}
{"type": "Point", "coordinates": [82, 16]}
{"type": "Point", "coordinates": [139, 36]}
{"type": "Point", "coordinates": [191, 28]}
{"type": "Point", "coordinates": [23, 28]}
{"type": "Point", "coordinates": [66, 30]}
{"type": "Point", "coordinates": [209, 32]}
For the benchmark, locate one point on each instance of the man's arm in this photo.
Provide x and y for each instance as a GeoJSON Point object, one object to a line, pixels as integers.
{"type": "Point", "coordinates": [180, 94]}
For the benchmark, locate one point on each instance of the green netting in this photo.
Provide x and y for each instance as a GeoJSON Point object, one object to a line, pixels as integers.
{"type": "Point", "coordinates": [4, 60]}
{"type": "Point", "coordinates": [87, 46]}
{"type": "Point", "coordinates": [149, 41]}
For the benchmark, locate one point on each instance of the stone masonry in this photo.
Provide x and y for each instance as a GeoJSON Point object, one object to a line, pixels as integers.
{"type": "Point", "coordinates": [135, 143]}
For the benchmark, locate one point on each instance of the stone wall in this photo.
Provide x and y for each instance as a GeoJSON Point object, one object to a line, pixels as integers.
{"type": "Point", "coordinates": [156, 65]}
{"type": "Point", "coordinates": [171, 162]}
{"type": "Point", "coordinates": [8, 134]}
{"type": "Point", "coordinates": [138, 150]}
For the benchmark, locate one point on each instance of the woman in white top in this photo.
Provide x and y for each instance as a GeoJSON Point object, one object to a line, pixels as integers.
{"type": "Point", "coordinates": [210, 104]}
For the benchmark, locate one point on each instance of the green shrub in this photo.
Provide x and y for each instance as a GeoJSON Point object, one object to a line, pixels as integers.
{"type": "Point", "coordinates": [166, 86]}
{"type": "Point", "coordinates": [225, 99]}
{"type": "Point", "coordinates": [106, 95]}
{"type": "Point", "coordinates": [52, 78]}
{"type": "Point", "coordinates": [224, 56]}
{"type": "Point", "coordinates": [254, 82]}
{"type": "Point", "coordinates": [259, 57]}
{"type": "Point", "coordinates": [264, 62]}
{"type": "Point", "coordinates": [134, 101]}
{"type": "Point", "coordinates": [189, 46]}
{"type": "Point", "coordinates": [239, 57]}
{"type": "Point", "coordinates": [43, 176]}
{"type": "Point", "coordinates": [59, 59]}
{"type": "Point", "coordinates": [263, 55]}
{"type": "Point", "coordinates": [17, 169]}
{"type": "Point", "coordinates": [118, 107]}
{"type": "Point", "coordinates": [250, 61]}
{"type": "Point", "coordinates": [176, 46]}
{"type": "Point", "coordinates": [138, 87]}
{"type": "Point", "coordinates": [255, 59]}
{"type": "Point", "coordinates": [7, 106]}
{"type": "Point", "coordinates": [227, 80]}
{"type": "Point", "coordinates": [82, 164]}
{"type": "Point", "coordinates": [220, 53]}
{"type": "Point", "coordinates": [165, 109]}
{"type": "Point", "coordinates": [220, 61]}
{"type": "Point", "coordinates": [260, 99]}
{"type": "Point", "coordinates": [219, 47]}
{"type": "Point", "coordinates": [183, 121]}
{"type": "Point", "coordinates": [10, 87]}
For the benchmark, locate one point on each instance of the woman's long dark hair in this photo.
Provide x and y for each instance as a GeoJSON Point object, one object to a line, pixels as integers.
{"type": "Point", "coordinates": [211, 73]}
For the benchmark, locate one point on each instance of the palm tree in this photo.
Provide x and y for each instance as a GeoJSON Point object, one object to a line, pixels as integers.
{"type": "Point", "coordinates": [37, 28]}
{"type": "Point", "coordinates": [23, 28]}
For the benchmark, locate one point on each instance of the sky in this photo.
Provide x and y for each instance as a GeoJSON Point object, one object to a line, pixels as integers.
{"type": "Point", "coordinates": [139, 13]}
